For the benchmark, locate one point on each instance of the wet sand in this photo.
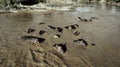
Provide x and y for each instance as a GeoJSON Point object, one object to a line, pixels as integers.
{"type": "Point", "coordinates": [104, 32]}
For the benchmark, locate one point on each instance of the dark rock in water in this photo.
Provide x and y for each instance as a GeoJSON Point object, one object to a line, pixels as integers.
{"type": "Point", "coordinates": [76, 33]}
{"type": "Point", "coordinates": [59, 29]}
{"type": "Point", "coordinates": [33, 38]}
{"type": "Point", "coordinates": [82, 42]}
{"type": "Point", "coordinates": [61, 48]}
{"type": "Point", "coordinates": [30, 30]}
{"type": "Point", "coordinates": [52, 27]}
{"type": "Point", "coordinates": [42, 32]}
{"type": "Point", "coordinates": [41, 23]}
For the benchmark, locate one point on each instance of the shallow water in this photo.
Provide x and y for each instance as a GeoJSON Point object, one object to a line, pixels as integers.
{"type": "Point", "coordinates": [104, 32]}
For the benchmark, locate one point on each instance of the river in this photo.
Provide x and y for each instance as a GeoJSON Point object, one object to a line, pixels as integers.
{"type": "Point", "coordinates": [103, 32]}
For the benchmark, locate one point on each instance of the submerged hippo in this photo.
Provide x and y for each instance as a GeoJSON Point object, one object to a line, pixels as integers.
{"type": "Point", "coordinates": [81, 42]}
{"type": "Point", "coordinates": [61, 47]}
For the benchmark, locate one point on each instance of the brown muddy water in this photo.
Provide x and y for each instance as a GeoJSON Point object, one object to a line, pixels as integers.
{"type": "Point", "coordinates": [103, 32]}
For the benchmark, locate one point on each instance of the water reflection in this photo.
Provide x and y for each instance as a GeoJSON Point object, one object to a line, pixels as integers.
{"type": "Point", "coordinates": [109, 8]}
{"type": "Point", "coordinates": [48, 15]}
{"type": "Point", "coordinates": [85, 9]}
{"type": "Point", "coordinates": [23, 16]}
{"type": "Point", "coordinates": [105, 7]}
{"type": "Point", "coordinates": [19, 20]}
{"type": "Point", "coordinates": [98, 7]}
